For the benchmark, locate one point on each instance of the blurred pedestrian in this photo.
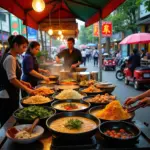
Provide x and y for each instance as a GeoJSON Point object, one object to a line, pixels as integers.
{"type": "Point", "coordinates": [84, 56]}
{"type": "Point", "coordinates": [95, 56]}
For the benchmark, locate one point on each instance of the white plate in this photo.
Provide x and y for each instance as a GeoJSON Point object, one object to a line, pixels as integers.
{"type": "Point", "coordinates": [38, 130]}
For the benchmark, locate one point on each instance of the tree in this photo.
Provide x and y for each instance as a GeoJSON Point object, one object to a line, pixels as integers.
{"type": "Point", "coordinates": [86, 35]}
{"type": "Point", "coordinates": [146, 3]}
{"type": "Point", "coordinates": [125, 17]}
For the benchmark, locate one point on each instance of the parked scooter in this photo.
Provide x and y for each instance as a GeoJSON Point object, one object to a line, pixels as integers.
{"type": "Point", "coordinates": [120, 72]}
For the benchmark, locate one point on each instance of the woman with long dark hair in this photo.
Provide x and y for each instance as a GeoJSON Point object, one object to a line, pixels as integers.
{"type": "Point", "coordinates": [10, 77]}
{"type": "Point", "coordinates": [31, 70]}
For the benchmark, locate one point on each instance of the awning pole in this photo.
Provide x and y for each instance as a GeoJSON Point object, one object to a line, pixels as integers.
{"type": "Point", "coordinates": [100, 52]}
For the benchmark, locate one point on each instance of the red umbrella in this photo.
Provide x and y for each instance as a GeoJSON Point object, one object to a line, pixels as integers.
{"type": "Point", "coordinates": [137, 38]}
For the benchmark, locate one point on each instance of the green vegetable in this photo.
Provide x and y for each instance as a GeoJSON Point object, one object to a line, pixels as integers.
{"type": "Point", "coordinates": [32, 112]}
{"type": "Point", "coordinates": [73, 124]}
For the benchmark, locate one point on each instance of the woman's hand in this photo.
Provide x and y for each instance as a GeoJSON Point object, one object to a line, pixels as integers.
{"type": "Point", "coordinates": [46, 78]}
{"type": "Point", "coordinates": [30, 91]}
{"type": "Point", "coordinates": [26, 84]}
{"type": "Point", "coordinates": [130, 101]}
{"type": "Point", "coordinates": [145, 101]}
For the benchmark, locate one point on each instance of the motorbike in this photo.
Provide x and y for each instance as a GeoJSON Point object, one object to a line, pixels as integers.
{"type": "Point", "coordinates": [120, 72]}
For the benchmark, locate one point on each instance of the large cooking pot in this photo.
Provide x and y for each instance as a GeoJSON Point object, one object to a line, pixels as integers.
{"type": "Point", "coordinates": [72, 136]}
{"type": "Point", "coordinates": [84, 76]}
{"type": "Point", "coordinates": [56, 68]}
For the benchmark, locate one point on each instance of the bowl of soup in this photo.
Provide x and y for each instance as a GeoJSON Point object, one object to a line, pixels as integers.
{"type": "Point", "coordinates": [70, 105]}
{"type": "Point", "coordinates": [73, 125]}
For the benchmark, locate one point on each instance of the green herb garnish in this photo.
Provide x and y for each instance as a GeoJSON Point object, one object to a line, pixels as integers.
{"type": "Point", "coordinates": [73, 124]}
{"type": "Point", "coordinates": [32, 112]}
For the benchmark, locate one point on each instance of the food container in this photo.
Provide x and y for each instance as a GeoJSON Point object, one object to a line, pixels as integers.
{"type": "Point", "coordinates": [78, 102]}
{"type": "Point", "coordinates": [56, 68]}
{"type": "Point", "coordinates": [75, 75]}
{"type": "Point", "coordinates": [72, 136]}
{"type": "Point", "coordinates": [84, 76]}
{"type": "Point", "coordinates": [65, 75]}
{"type": "Point", "coordinates": [94, 75]}
{"type": "Point", "coordinates": [116, 126]}
{"type": "Point", "coordinates": [93, 110]}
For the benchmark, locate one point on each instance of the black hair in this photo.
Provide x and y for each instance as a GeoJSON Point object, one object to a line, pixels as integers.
{"type": "Point", "coordinates": [135, 50]}
{"type": "Point", "coordinates": [71, 39]}
{"type": "Point", "coordinates": [18, 39]}
{"type": "Point", "coordinates": [32, 45]}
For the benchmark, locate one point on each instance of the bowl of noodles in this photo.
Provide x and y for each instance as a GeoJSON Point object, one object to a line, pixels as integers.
{"type": "Point", "coordinates": [69, 94]}
{"type": "Point", "coordinates": [38, 100]}
{"type": "Point", "coordinates": [111, 112]}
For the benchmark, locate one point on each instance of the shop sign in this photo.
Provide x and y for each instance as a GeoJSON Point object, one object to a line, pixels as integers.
{"type": "Point", "coordinates": [96, 29]}
{"type": "Point", "coordinates": [32, 34]}
{"type": "Point", "coordinates": [106, 29]}
{"type": "Point", "coordinates": [15, 30]}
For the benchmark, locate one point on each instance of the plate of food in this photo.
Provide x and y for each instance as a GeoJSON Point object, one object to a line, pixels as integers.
{"type": "Point", "coordinates": [107, 88]}
{"type": "Point", "coordinates": [100, 99]}
{"type": "Point", "coordinates": [73, 125]}
{"type": "Point", "coordinates": [44, 91]}
{"type": "Point", "coordinates": [66, 87]}
{"type": "Point", "coordinates": [92, 90]}
{"type": "Point", "coordinates": [29, 114]}
{"type": "Point", "coordinates": [70, 105]}
{"type": "Point", "coordinates": [68, 81]}
{"type": "Point", "coordinates": [86, 83]}
{"type": "Point", "coordinates": [69, 94]}
{"type": "Point", "coordinates": [113, 111]}
{"type": "Point", "coordinates": [18, 134]}
{"type": "Point", "coordinates": [47, 82]}
{"type": "Point", "coordinates": [36, 100]}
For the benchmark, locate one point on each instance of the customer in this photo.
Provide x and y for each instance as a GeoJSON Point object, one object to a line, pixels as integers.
{"type": "Point", "coordinates": [84, 56]}
{"type": "Point", "coordinates": [95, 56]}
{"type": "Point", "coordinates": [143, 98]}
{"type": "Point", "coordinates": [143, 53]}
{"type": "Point", "coordinates": [10, 77]}
{"type": "Point", "coordinates": [72, 56]}
{"type": "Point", "coordinates": [30, 66]}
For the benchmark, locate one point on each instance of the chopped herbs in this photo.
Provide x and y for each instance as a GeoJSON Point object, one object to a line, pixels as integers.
{"type": "Point", "coordinates": [32, 112]}
{"type": "Point", "coordinates": [73, 124]}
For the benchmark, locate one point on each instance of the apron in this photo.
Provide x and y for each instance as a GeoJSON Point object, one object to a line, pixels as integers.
{"type": "Point", "coordinates": [8, 106]}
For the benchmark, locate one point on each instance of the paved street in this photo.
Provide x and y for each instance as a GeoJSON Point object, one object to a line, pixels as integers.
{"type": "Point", "coordinates": [123, 91]}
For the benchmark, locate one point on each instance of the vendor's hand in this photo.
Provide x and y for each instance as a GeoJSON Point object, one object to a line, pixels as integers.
{"type": "Point", "coordinates": [130, 101]}
{"type": "Point", "coordinates": [74, 66]}
{"type": "Point", "coordinates": [46, 78]}
{"type": "Point", "coordinates": [27, 84]}
{"type": "Point", "coordinates": [30, 91]}
{"type": "Point", "coordinates": [145, 101]}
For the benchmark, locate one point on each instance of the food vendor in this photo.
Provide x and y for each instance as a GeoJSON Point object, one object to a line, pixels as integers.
{"type": "Point", "coordinates": [10, 77]}
{"type": "Point", "coordinates": [30, 67]}
{"type": "Point", "coordinates": [143, 98]}
{"type": "Point", "coordinates": [72, 56]}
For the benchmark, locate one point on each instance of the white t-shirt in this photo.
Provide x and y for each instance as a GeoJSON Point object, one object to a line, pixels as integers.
{"type": "Point", "coordinates": [9, 65]}
{"type": "Point", "coordinates": [83, 53]}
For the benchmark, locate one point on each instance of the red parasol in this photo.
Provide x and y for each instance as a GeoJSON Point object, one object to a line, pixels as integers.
{"type": "Point", "coordinates": [137, 38]}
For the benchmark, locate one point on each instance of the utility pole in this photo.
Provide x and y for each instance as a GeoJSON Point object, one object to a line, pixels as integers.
{"type": "Point", "coordinates": [100, 52]}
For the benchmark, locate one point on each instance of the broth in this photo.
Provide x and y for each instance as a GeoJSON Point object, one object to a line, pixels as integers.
{"type": "Point", "coordinates": [59, 125]}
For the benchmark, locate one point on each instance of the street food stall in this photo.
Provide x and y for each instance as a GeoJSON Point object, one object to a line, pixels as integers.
{"type": "Point", "coordinates": [74, 115]}
{"type": "Point", "coordinates": [76, 111]}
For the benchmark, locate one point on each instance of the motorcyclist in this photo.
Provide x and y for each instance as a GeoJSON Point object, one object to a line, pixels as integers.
{"type": "Point", "coordinates": [134, 60]}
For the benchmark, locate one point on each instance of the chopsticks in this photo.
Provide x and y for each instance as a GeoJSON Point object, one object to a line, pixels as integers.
{"type": "Point", "coordinates": [133, 108]}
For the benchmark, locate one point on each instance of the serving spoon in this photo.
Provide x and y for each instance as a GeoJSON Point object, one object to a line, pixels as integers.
{"type": "Point", "coordinates": [30, 129]}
